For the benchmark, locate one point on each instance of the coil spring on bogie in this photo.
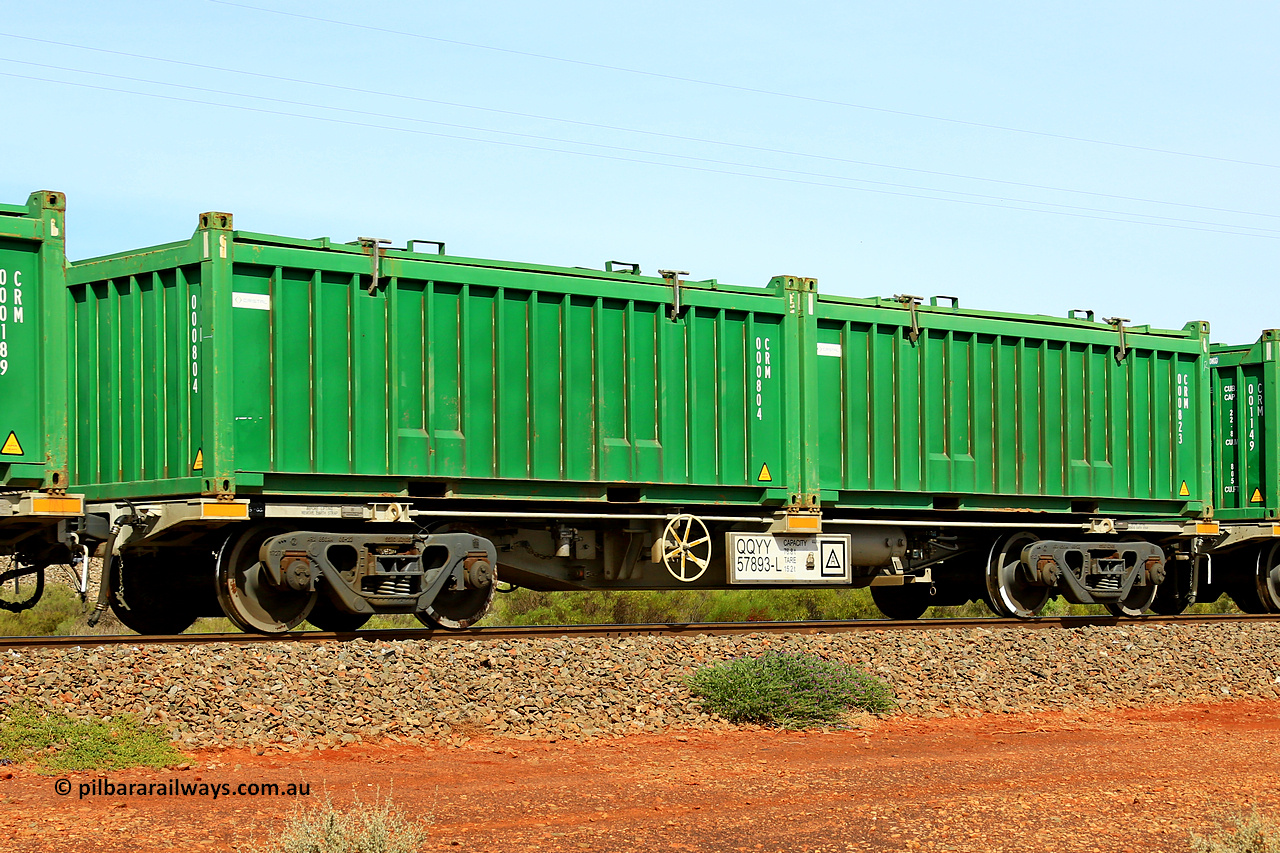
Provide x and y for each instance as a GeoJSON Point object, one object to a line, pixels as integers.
{"type": "Point", "coordinates": [1107, 582]}
{"type": "Point", "coordinates": [391, 585]}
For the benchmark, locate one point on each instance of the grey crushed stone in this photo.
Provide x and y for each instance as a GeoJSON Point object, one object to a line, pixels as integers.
{"type": "Point", "coordinates": [295, 696]}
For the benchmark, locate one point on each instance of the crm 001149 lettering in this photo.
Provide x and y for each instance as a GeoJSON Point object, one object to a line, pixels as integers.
{"type": "Point", "coordinates": [12, 311]}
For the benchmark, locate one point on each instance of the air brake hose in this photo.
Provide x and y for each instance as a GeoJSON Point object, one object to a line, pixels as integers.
{"type": "Point", "coordinates": [109, 562]}
{"type": "Point", "coordinates": [104, 582]}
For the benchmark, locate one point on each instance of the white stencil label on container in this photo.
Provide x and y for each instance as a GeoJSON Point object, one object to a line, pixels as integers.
{"type": "Point", "coordinates": [830, 349]}
{"type": "Point", "coordinates": [195, 344]}
{"type": "Point", "coordinates": [1253, 399]}
{"type": "Point", "coordinates": [1182, 400]}
{"type": "Point", "coordinates": [764, 370]}
{"type": "Point", "coordinates": [257, 301]}
{"type": "Point", "coordinates": [12, 311]}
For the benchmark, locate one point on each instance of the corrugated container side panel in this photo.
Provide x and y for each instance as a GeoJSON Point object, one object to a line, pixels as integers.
{"type": "Point", "coordinates": [291, 403]}
{"type": "Point", "coordinates": [372, 419]}
{"type": "Point", "coordinates": [577, 354]}
{"type": "Point", "coordinates": [646, 406]}
{"type": "Point", "coordinates": [703, 397]}
{"type": "Point", "coordinates": [252, 370]}
{"type": "Point", "coordinates": [457, 379]}
{"type": "Point", "coordinates": [138, 375]}
{"type": "Point", "coordinates": [545, 386]}
{"type": "Point", "coordinates": [331, 422]}
{"type": "Point", "coordinates": [966, 412]}
{"type": "Point", "coordinates": [1030, 450]}
{"type": "Point", "coordinates": [150, 319]}
{"type": "Point", "coordinates": [84, 347]}
{"type": "Point", "coordinates": [611, 389]}
{"type": "Point", "coordinates": [1054, 422]}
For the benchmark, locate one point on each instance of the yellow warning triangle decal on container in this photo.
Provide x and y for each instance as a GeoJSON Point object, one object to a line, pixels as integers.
{"type": "Point", "coordinates": [198, 465]}
{"type": "Point", "coordinates": [764, 477]}
{"type": "Point", "coordinates": [1184, 491]}
{"type": "Point", "coordinates": [1257, 497]}
{"type": "Point", "coordinates": [11, 446]}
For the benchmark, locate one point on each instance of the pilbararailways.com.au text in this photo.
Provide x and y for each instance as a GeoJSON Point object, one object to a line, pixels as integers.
{"type": "Point", "coordinates": [102, 787]}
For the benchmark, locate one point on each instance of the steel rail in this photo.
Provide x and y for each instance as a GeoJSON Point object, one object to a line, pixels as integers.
{"type": "Point", "coordinates": [614, 631]}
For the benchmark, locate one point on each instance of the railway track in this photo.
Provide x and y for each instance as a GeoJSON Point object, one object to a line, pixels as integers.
{"type": "Point", "coordinates": [643, 630]}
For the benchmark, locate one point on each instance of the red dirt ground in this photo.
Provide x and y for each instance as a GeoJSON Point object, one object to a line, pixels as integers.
{"type": "Point", "coordinates": [1133, 780]}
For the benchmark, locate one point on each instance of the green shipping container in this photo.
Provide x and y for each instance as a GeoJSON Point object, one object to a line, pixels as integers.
{"type": "Point", "coordinates": [1246, 453]}
{"type": "Point", "coordinates": [33, 344]}
{"type": "Point", "coordinates": [246, 363]}
{"type": "Point", "coordinates": [929, 407]}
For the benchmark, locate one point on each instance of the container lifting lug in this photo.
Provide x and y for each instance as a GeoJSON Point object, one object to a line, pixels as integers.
{"type": "Point", "coordinates": [412, 245]}
{"type": "Point", "coordinates": [1123, 349]}
{"type": "Point", "coordinates": [673, 276]}
{"type": "Point", "coordinates": [911, 302]}
{"type": "Point", "coordinates": [374, 245]}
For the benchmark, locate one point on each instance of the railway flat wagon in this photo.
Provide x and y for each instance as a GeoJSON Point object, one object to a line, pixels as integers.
{"type": "Point", "coordinates": [289, 430]}
{"type": "Point", "coordinates": [945, 411]}
{"type": "Point", "coordinates": [1246, 456]}
{"type": "Point", "coordinates": [236, 387]}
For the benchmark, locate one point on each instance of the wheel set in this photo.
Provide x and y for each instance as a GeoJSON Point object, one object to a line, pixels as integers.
{"type": "Point", "coordinates": [1253, 578]}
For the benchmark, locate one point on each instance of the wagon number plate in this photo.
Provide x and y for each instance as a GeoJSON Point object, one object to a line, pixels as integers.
{"type": "Point", "coordinates": [766, 558]}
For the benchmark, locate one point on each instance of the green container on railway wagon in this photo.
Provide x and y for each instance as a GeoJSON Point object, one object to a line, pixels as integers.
{"type": "Point", "coordinates": [33, 351]}
{"type": "Point", "coordinates": [1246, 453]}
{"type": "Point", "coordinates": [237, 362]}
{"type": "Point", "coordinates": [936, 407]}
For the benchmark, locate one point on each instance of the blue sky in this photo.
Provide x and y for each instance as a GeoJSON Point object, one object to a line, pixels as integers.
{"type": "Point", "coordinates": [870, 154]}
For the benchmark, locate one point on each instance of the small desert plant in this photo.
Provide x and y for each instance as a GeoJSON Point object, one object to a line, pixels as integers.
{"type": "Point", "coordinates": [1250, 833]}
{"type": "Point", "coordinates": [57, 742]}
{"type": "Point", "coordinates": [789, 690]}
{"type": "Point", "coordinates": [380, 827]}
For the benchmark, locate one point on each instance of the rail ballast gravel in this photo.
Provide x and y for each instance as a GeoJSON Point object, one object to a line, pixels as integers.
{"type": "Point", "coordinates": [640, 630]}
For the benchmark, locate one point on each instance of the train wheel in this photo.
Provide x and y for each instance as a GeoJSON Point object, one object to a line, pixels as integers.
{"type": "Point", "coordinates": [248, 597]}
{"type": "Point", "coordinates": [905, 602]}
{"type": "Point", "coordinates": [149, 596]}
{"type": "Point", "coordinates": [459, 608]}
{"type": "Point", "coordinates": [1009, 591]}
{"type": "Point", "coordinates": [1268, 577]}
{"type": "Point", "coordinates": [327, 617]}
{"type": "Point", "coordinates": [1136, 602]}
{"type": "Point", "coordinates": [1249, 586]}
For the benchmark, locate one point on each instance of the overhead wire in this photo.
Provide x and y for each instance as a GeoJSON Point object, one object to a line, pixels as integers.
{"type": "Point", "coordinates": [1222, 228]}
{"type": "Point", "coordinates": [624, 149]}
{"type": "Point", "coordinates": [741, 88]}
{"type": "Point", "coordinates": [621, 129]}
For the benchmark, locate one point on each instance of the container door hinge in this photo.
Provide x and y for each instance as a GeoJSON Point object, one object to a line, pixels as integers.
{"type": "Point", "coordinates": [1123, 349]}
{"type": "Point", "coordinates": [374, 245]}
{"type": "Point", "coordinates": [911, 302]}
{"type": "Point", "coordinates": [673, 278]}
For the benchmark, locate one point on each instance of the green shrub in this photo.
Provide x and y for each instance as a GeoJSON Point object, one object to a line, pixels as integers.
{"type": "Point", "coordinates": [376, 828]}
{"type": "Point", "coordinates": [57, 742]}
{"type": "Point", "coordinates": [1249, 834]}
{"type": "Point", "coordinates": [788, 690]}
{"type": "Point", "coordinates": [57, 613]}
